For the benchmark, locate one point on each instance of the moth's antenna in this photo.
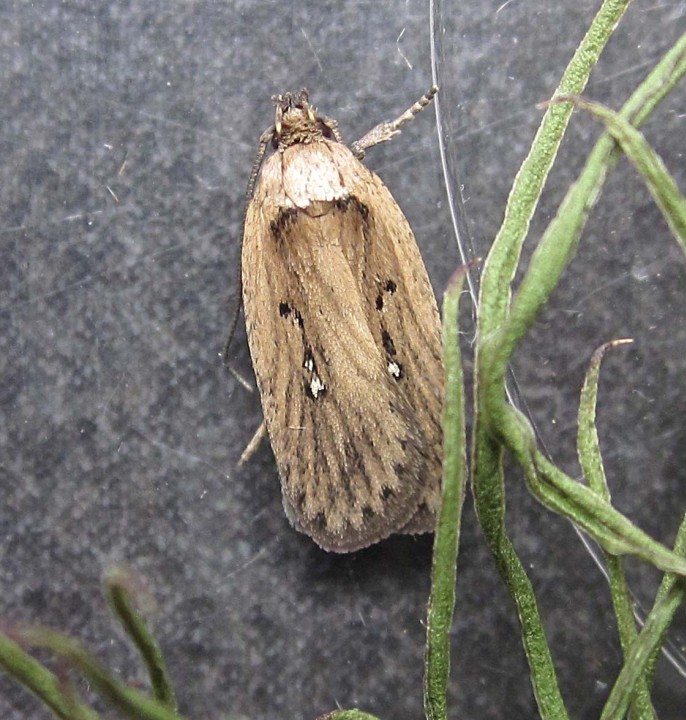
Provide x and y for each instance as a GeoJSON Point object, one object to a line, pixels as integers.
{"type": "Point", "coordinates": [266, 136]}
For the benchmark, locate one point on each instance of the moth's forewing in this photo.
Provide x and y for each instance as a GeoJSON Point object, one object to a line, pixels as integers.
{"type": "Point", "coordinates": [344, 335]}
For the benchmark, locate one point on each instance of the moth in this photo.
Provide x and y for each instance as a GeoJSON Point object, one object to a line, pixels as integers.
{"type": "Point", "coordinates": [344, 333]}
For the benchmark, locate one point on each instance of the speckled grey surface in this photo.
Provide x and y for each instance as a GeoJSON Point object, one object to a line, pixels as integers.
{"type": "Point", "coordinates": [127, 133]}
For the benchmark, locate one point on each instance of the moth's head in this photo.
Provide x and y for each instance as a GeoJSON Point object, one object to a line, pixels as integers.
{"type": "Point", "coordinates": [296, 121]}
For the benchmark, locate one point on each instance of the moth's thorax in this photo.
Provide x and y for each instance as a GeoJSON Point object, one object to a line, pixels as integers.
{"type": "Point", "coordinates": [298, 126]}
{"type": "Point", "coordinates": [304, 174]}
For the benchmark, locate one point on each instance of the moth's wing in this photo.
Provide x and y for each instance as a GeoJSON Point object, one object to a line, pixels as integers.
{"type": "Point", "coordinates": [401, 309]}
{"type": "Point", "coordinates": [352, 455]}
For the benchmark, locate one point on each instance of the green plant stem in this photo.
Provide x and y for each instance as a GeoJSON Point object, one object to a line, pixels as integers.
{"type": "Point", "coordinates": [560, 238]}
{"type": "Point", "coordinates": [353, 714]}
{"type": "Point", "coordinates": [577, 502]}
{"type": "Point", "coordinates": [41, 682]}
{"type": "Point", "coordinates": [499, 270]}
{"type": "Point", "coordinates": [503, 258]}
{"type": "Point", "coordinates": [132, 703]}
{"type": "Point", "coordinates": [648, 163]}
{"type": "Point", "coordinates": [561, 493]}
{"type": "Point", "coordinates": [591, 461]}
{"type": "Point", "coordinates": [643, 652]}
{"type": "Point", "coordinates": [117, 594]}
{"type": "Point", "coordinates": [446, 540]}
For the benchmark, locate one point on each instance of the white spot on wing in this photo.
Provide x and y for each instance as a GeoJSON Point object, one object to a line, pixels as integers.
{"type": "Point", "coordinates": [316, 386]}
{"type": "Point", "coordinates": [394, 368]}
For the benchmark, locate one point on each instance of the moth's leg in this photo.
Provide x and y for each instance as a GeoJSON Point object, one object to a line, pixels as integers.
{"type": "Point", "coordinates": [232, 326]}
{"type": "Point", "coordinates": [333, 126]}
{"type": "Point", "coordinates": [386, 130]}
{"type": "Point", "coordinates": [251, 447]}
{"type": "Point", "coordinates": [241, 379]}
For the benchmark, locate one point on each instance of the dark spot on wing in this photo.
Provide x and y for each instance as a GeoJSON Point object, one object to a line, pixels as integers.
{"type": "Point", "coordinates": [284, 219]}
{"type": "Point", "coordinates": [389, 287]}
{"type": "Point", "coordinates": [285, 310]}
{"type": "Point", "coordinates": [351, 202]}
{"type": "Point", "coordinates": [388, 344]}
{"type": "Point", "coordinates": [353, 459]}
{"type": "Point", "coordinates": [362, 209]}
{"type": "Point", "coordinates": [394, 367]}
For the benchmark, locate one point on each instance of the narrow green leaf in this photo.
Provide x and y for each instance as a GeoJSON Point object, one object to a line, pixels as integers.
{"type": "Point", "coordinates": [132, 703]}
{"type": "Point", "coordinates": [590, 458]}
{"type": "Point", "coordinates": [580, 504]}
{"type": "Point", "coordinates": [560, 239]}
{"type": "Point", "coordinates": [117, 586]}
{"type": "Point", "coordinates": [553, 488]}
{"type": "Point", "coordinates": [588, 446]}
{"type": "Point", "coordinates": [489, 500]}
{"type": "Point", "coordinates": [347, 715]}
{"type": "Point", "coordinates": [648, 163]}
{"type": "Point", "coordinates": [41, 682]}
{"type": "Point", "coordinates": [500, 267]}
{"type": "Point", "coordinates": [644, 650]}
{"type": "Point", "coordinates": [489, 384]}
{"type": "Point", "coordinates": [446, 540]}
{"type": "Point", "coordinates": [667, 585]}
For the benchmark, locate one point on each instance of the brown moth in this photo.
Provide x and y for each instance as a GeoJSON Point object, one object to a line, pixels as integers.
{"type": "Point", "coordinates": [344, 334]}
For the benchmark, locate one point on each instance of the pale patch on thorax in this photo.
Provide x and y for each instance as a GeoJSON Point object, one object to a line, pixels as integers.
{"type": "Point", "coordinates": [310, 174]}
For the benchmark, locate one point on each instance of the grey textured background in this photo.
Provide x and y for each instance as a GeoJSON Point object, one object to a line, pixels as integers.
{"type": "Point", "coordinates": [120, 429]}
